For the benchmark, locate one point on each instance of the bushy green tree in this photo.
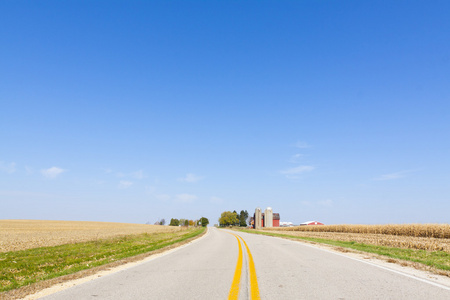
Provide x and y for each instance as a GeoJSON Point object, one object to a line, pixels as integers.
{"type": "Point", "coordinates": [228, 218]}
{"type": "Point", "coordinates": [204, 221]}
{"type": "Point", "coordinates": [174, 222]}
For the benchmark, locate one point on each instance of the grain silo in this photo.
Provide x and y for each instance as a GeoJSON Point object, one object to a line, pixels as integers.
{"type": "Point", "coordinates": [258, 218]}
{"type": "Point", "coordinates": [268, 217]}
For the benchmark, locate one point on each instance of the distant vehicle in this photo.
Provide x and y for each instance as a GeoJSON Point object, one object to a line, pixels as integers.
{"type": "Point", "coordinates": [311, 223]}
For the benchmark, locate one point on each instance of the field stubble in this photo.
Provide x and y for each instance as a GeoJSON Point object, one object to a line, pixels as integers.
{"type": "Point", "coordinates": [18, 235]}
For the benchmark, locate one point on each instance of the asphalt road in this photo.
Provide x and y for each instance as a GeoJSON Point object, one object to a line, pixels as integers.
{"type": "Point", "coordinates": [216, 267]}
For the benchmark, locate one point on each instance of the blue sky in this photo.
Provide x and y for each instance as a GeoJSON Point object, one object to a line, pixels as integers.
{"type": "Point", "coordinates": [132, 111]}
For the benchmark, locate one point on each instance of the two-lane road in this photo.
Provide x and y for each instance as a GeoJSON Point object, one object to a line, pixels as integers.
{"type": "Point", "coordinates": [219, 266]}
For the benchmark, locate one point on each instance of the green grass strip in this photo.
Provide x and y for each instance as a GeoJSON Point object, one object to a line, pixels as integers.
{"type": "Point", "coordinates": [20, 268]}
{"type": "Point", "coordinates": [438, 259]}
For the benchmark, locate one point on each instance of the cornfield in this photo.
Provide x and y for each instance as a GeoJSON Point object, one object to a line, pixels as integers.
{"type": "Point", "coordinates": [431, 237]}
{"type": "Point", "coordinates": [26, 234]}
{"type": "Point", "coordinates": [440, 231]}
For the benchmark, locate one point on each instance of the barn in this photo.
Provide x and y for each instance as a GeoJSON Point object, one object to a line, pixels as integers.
{"type": "Point", "coordinates": [311, 223]}
{"type": "Point", "coordinates": [275, 221]}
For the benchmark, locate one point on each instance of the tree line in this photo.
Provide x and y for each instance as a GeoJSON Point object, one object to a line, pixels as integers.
{"type": "Point", "coordinates": [185, 222]}
{"type": "Point", "coordinates": [228, 218]}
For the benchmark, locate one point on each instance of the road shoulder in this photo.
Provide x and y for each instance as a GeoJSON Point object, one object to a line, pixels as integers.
{"type": "Point", "coordinates": [406, 268]}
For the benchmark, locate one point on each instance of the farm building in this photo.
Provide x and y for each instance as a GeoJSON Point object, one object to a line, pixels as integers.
{"type": "Point", "coordinates": [266, 219]}
{"type": "Point", "coordinates": [311, 223]}
{"type": "Point", "coordinates": [276, 220]}
{"type": "Point", "coordinates": [286, 224]}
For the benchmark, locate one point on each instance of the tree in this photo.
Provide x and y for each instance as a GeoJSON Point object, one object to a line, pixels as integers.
{"type": "Point", "coordinates": [228, 218]}
{"type": "Point", "coordinates": [160, 222]}
{"type": "Point", "coordinates": [186, 222]}
{"type": "Point", "coordinates": [237, 222]}
{"type": "Point", "coordinates": [174, 222]}
{"type": "Point", "coordinates": [204, 221]}
{"type": "Point", "coordinates": [243, 218]}
{"type": "Point", "coordinates": [191, 223]}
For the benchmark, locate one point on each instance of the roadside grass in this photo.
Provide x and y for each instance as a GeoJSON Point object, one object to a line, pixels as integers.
{"type": "Point", "coordinates": [435, 259]}
{"type": "Point", "coordinates": [21, 268]}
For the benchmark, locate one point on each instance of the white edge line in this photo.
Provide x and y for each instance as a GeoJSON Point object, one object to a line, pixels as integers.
{"type": "Point", "coordinates": [388, 269]}
{"type": "Point", "coordinates": [366, 262]}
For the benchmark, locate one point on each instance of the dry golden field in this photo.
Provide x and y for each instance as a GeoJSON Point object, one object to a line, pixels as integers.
{"type": "Point", "coordinates": [430, 237]}
{"type": "Point", "coordinates": [25, 234]}
{"type": "Point", "coordinates": [415, 230]}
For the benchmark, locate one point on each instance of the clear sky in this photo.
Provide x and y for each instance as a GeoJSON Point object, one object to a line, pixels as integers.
{"type": "Point", "coordinates": [132, 111]}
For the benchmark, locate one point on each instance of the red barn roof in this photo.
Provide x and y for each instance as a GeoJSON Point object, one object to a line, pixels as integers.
{"type": "Point", "coordinates": [312, 223]}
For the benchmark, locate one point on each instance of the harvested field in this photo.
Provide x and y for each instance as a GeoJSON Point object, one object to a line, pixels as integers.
{"type": "Point", "coordinates": [430, 237]}
{"type": "Point", "coordinates": [26, 234]}
{"type": "Point", "coordinates": [31, 269]}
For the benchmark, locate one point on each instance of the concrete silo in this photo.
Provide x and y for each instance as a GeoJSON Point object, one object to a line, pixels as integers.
{"type": "Point", "coordinates": [268, 217]}
{"type": "Point", "coordinates": [258, 217]}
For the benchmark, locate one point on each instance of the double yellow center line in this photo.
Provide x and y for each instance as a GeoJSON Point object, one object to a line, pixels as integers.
{"type": "Point", "coordinates": [234, 290]}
